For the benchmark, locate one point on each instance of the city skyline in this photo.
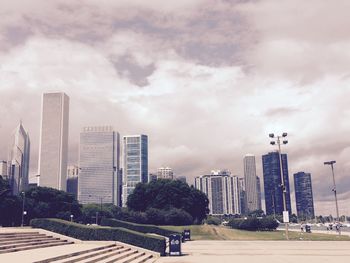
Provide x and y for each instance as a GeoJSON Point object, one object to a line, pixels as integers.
{"type": "Point", "coordinates": [206, 82]}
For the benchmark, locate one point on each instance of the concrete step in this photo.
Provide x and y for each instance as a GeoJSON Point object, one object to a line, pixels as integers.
{"type": "Point", "coordinates": [75, 254]}
{"type": "Point", "coordinates": [101, 258]}
{"type": "Point", "coordinates": [33, 242]}
{"type": "Point", "coordinates": [146, 257]}
{"type": "Point", "coordinates": [18, 233]}
{"type": "Point", "coordinates": [63, 242]}
{"type": "Point", "coordinates": [133, 257]}
{"type": "Point", "coordinates": [22, 237]}
{"type": "Point", "coordinates": [117, 258]}
{"type": "Point", "coordinates": [26, 240]}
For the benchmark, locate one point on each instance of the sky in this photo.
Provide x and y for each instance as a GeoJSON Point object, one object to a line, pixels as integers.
{"type": "Point", "coordinates": [206, 80]}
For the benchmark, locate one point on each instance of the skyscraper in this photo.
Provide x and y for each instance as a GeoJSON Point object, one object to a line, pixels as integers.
{"type": "Point", "coordinates": [72, 180]}
{"type": "Point", "coordinates": [99, 161]}
{"type": "Point", "coordinates": [135, 163]}
{"type": "Point", "coordinates": [165, 173]}
{"type": "Point", "coordinates": [18, 162]}
{"type": "Point", "coordinates": [272, 183]}
{"type": "Point", "coordinates": [222, 191]}
{"type": "Point", "coordinates": [258, 190]}
{"type": "Point", "coordinates": [53, 148]}
{"type": "Point", "coordinates": [251, 194]}
{"type": "Point", "coordinates": [242, 199]}
{"type": "Point", "coordinates": [3, 169]}
{"type": "Point", "coordinates": [303, 196]}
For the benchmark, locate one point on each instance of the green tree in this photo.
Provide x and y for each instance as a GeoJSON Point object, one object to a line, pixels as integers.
{"type": "Point", "coordinates": [168, 194]}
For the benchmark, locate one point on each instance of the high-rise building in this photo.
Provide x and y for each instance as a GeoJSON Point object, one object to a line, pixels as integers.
{"type": "Point", "coordinates": [303, 196]}
{"type": "Point", "coordinates": [53, 148]}
{"type": "Point", "coordinates": [273, 182]}
{"type": "Point", "coordinates": [258, 190]}
{"type": "Point", "coordinates": [165, 173]}
{"type": "Point", "coordinates": [3, 169]}
{"type": "Point", "coordinates": [99, 161]}
{"type": "Point", "coordinates": [18, 162]}
{"type": "Point", "coordinates": [72, 180]}
{"type": "Point", "coordinates": [251, 194]}
{"type": "Point", "coordinates": [222, 191]}
{"type": "Point", "coordinates": [242, 200]}
{"type": "Point", "coordinates": [135, 163]}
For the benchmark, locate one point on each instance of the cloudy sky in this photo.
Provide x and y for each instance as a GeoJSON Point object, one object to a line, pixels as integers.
{"type": "Point", "coordinates": [207, 80]}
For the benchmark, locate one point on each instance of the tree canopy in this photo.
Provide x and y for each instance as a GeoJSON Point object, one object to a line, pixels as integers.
{"type": "Point", "coordinates": [169, 194]}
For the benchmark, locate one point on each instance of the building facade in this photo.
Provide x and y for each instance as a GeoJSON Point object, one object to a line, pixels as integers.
{"type": "Point", "coordinates": [222, 191]}
{"type": "Point", "coordinates": [272, 183]}
{"type": "Point", "coordinates": [165, 173]}
{"type": "Point", "coordinates": [242, 199]}
{"type": "Point", "coordinates": [18, 161]}
{"type": "Point", "coordinates": [304, 196]}
{"type": "Point", "coordinates": [135, 163]}
{"type": "Point", "coordinates": [99, 161]}
{"type": "Point", "coordinates": [251, 194]}
{"type": "Point", "coordinates": [3, 169]}
{"type": "Point", "coordinates": [258, 190]}
{"type": "Point", "coordinates": [53, 148]}
{"type": "Point", "coordinates": [73, 180]}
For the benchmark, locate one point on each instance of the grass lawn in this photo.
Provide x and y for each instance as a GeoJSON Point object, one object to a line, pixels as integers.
{"type": "Point", "coordinates": [210, 232]}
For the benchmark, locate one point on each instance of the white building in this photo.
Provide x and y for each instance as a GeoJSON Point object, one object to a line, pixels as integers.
{"type": "Point", "coordinates": [3, 169]}
{"type": "Point", "coordinates": [165, 173]}
{"type": "Point", "coordinates": [18, 161]}
{"type": "Point", "coordinates": [53, 148]}
{"type": "Point", "coordinates": [99, 161]}
{"type": "Point", "coordinates": [135, 163]}
{"type": "Point", "coordinates": [222, 190]}
{"type": "Point", "coordinates": [250, 182]}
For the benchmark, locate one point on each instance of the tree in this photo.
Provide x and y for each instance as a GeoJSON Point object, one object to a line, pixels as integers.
{"type": "Point", "coordinates": [168, 194]}
{"type": "Point", "coordinates": [10, 206]}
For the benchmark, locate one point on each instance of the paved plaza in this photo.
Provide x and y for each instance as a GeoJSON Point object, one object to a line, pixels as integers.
{"type": "Point", "coordinates": [263, 251]}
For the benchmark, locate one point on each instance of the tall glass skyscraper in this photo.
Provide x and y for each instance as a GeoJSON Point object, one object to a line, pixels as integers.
{"type": "Point", "coordinates": [99, 160]}
{"type": "Point", "coordinates": [53, 148]}
{"type": "Point", "coordinates": [272, 183]}
{"type": "Point", "coordinates": [250, 182]}
{"type": "Point", "coordinates": [135, 163]}
{"type": "Point", "coordinates": [258, 190]}
{"type": "Point", "coordinates": [303, 196]}
{"type": "Point", "coordinates": [222, 190]}
{"type": "Point", "coordinates": [18, 163]}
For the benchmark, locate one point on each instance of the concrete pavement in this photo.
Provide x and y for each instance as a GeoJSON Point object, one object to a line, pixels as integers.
{"type": "Point", "coordinates": [263, 251]}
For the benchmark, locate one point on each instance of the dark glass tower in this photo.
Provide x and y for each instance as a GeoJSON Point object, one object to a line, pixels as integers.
{"type": "Point", "coordinates": [303, 196]}
{"type": "Point", "coordinates": [272, 183]}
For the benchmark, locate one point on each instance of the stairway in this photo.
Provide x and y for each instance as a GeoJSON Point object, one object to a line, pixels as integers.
{"type": "Point", "coordinates": [20, 241]}
{"type": "Point", "coordinates": [104, 254]}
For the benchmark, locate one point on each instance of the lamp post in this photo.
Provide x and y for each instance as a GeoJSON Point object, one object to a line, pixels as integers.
{"type": "Point", "coordinates": [331, 163]}
{"type": "Point", "coordinates": [283, 186]}
{"type": "Point", "coordinates": [23, 200]}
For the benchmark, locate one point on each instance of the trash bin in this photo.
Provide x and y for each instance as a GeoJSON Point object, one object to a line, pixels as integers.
{"type": "Point", "coordinates": [308, 229]}
{"type": "Point", "coordinates": [175, 245]}
{"type": "Point", "coordinates": [186, 234]}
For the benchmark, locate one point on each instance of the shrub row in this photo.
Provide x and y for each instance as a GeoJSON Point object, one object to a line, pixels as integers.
{"type": "Point", "coordinates": [83, 232]}
{"type": "Point", "coordinates": [254, 224]}
{"type": "Point", "coordinates": [137, 227]}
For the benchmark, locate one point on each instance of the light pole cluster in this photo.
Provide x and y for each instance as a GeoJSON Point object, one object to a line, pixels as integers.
{"type": "Point", "coordinates": [278, 139]}
{"type": "Point", "coordinates": [331, 163]}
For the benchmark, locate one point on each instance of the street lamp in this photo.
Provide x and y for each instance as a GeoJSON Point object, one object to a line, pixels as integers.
{"type": "Point", "coordinates": [278, 139]}
{"type": "Point", "coordinates": [331, 163]}
{"type": "Point", "coordinates": [23, 212]}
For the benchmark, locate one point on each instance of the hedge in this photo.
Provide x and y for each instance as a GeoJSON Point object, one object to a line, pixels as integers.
{"type": "Point", "coordinates": [137, 227]}
{"type": "Point", "coordinates": [83, 232]}
{"type": "Point", "coordinates": [254, 224]}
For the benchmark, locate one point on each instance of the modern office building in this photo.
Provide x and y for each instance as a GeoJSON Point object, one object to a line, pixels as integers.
{"type": "Point", "coordinates": [258, 190]}
{"type": "Point", "coordinates": [273, 182]}
{"type": "Point", "coordinates": [242, 199]}
{"type": "Point", "coordinates": [53, 149]}
{"type": "Point", "coordinates": [303, 196]}
{"type": "Point", "coordinates": [72, 180]}
{"type": "Point", "coordinates": [18, 162]}
{"type": "Point", "coordinates": [165, 173]}
{"type": "Point", "coordinates": [3, 169]}
{"type": "Point", "coordinates": [222, 191]}
{"type": "Point", "coordinates": [99, 161]}
{"type": "Point", "coordinates": [251, 194]}
{"type": "Point", "coordinates": [135, 163]}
